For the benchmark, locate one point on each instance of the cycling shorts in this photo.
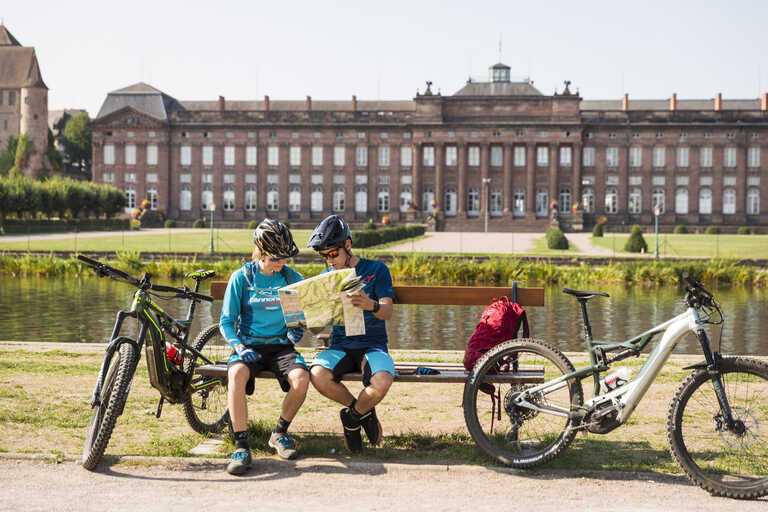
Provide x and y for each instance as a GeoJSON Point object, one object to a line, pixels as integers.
{"type": "Point", "coordinates": [279, 359]}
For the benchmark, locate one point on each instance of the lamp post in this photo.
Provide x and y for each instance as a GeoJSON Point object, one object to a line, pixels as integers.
{"type": "Point", "coordinates": [212, 208]}
{"type": "Point", "coordinates": [656, 212]}
{"type": "Point", "coordinates": [486, 183]}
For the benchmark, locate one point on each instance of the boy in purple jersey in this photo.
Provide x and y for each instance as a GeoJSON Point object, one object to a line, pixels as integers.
{"type": "Point", "coordinates": [366, 353]}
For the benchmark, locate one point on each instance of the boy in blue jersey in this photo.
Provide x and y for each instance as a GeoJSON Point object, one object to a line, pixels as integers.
{"type": "Point", "coordinates": [252, 323]}
{"type": "Point", "coordinates": [366, 353]}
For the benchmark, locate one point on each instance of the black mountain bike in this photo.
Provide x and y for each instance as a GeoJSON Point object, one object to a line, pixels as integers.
{"type": "Point", "coordinates": [164, 335]}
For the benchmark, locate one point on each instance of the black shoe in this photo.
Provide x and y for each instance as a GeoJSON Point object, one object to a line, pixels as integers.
{"type": "Point", "coordinates": [352, 439]}
{"type": "Point", "coordinates": [372, 427]}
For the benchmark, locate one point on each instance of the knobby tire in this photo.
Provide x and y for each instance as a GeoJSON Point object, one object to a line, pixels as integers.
{"type": "Point", "coordinates": [206, 409]}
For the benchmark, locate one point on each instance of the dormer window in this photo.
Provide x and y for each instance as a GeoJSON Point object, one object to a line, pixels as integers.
{"type": "Point", "coordinates": [499, 73]}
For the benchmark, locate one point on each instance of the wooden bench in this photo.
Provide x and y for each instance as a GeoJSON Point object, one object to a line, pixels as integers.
{"type": "Point", "coordinates": [430, 295]}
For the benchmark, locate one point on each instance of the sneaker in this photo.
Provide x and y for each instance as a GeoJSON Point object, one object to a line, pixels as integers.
{"type": "Point", "coordinates": [352, 439]}
{"type": "Point", "coordinates": [372, 426]}
{"type": "Point", "coordinates": [286, 448]}
{"type": "Point", "coordinates": [241, 461]}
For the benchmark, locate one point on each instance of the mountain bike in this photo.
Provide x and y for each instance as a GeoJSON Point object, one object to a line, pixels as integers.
{"type": "Point", "coordinates": [165, 340]}
{"type": "Point", "coordinates": [714, 419]}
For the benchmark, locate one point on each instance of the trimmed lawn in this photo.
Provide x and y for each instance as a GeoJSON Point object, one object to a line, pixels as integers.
{"type": "Point", "coordinates": [541, 248]}
{"type": "Point", "coordinates": [695, 246]}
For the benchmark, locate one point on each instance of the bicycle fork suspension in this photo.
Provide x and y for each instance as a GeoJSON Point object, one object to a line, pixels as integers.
{"type": "Point", "coordinates": [113, 345]}
{"type": "Point", "coordinates": [713, 370]}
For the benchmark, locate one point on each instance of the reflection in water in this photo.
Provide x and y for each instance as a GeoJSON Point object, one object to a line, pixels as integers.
{"type": "Point", "coordinates": [83, 310]}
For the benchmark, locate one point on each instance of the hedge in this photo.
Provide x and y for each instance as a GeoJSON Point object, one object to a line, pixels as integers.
{"type": "Point", "coordinates": [16, 226]}
{"type": "Point", "coordinates": [371, 237]}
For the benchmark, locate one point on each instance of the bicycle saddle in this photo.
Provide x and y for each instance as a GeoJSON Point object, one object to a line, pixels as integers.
{"type": "Point", "coordinates": [584, 294]}
{"type": "Point", "coordinates": [200, 275]}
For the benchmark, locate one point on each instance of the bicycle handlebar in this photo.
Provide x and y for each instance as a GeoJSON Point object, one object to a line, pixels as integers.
{"type": "Point", "coordinates": [697, 290]}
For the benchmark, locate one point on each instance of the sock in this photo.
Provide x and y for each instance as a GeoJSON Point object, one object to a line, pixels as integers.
{"type": "Point", "coordinates": [353, 412]}
{"type": "Point", "coordinates": [282, 425]}
{"type": "Point", "coordinates": [241, 440]}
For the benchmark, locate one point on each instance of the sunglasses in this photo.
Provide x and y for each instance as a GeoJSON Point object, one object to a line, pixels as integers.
{"type": "Point", "coordinates": [333, 253]}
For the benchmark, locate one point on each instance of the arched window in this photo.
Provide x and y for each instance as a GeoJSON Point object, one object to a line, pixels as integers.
{"type": "Point", "coordinates": [294, 199]}
{"type": "Point", "coordinates": [316, 199]}
{"type": "Point", "coordinates": [611, 200]}
{"type": "Point", "coordinates": [206, 198]}
{"type": "Point", "coordinates": [450, 201]}
{"type": "Point", "coordinates": [519, 203]}
{"type": "Point", "coordinates": [681, 201]}
{"type": "Point", "coordinates": [426, 199]}
{"type": "Point", "coordinates": [729, 201]}
{"type": "Point", "coordinates": [496, 202]}
{"type": "Point", "coordinates": [229, 200]}
{"type": "Point", "coordinates": [635, 200]}
{"type": "Point", "coordinates": [273, 200]}
{"type": "Point", "coordinates": [130, 196]}
{"type": "Point", "coordinates": [588, 200]}
{"type": "Point", "coordinates": [564, 202]}
{"type": "Point", "coordinates": [405, 198]}
{"type": "Point", "coordinates": [705, 201]}
{"type": "Point", "coordinates": [542, 202]}
{"type": "Point", "coordinates": [361, 200]}
{"type": "Point", "coordinates": [152, 196]}
{"type": "Point", "coordinates": [382, 200]}
{"type": "Point", "coordinates": [753, 201]}
{"type": "Point", "coordinates": [473, 202]}
{"type": "Point", "coordinates": [185, 199]}
{"type": "Point", "coordinates": [250, 199]}
{"type": "Point", "coordinates": [338, 199]}
{"type": "Point", "coordinates": [657, 199]}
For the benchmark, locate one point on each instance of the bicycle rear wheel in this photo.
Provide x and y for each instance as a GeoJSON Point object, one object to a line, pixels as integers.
{"type": "Point", "coordinates": [725, 463]}
{"type": "Point", "coordinates": [516, 436]}
{"type": "Point", "coordinates": [114, 394]}
{"type": "Point", "coordinates": [206, 406]}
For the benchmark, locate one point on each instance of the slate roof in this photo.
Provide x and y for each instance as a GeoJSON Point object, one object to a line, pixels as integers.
{"type": "Point", "coordinates": [498, 89]}
{"type": "Point", "coordinates": [19, 68]}
{"type": "Point", "coordinates": [661, 105]}
{"type": "Point", "coordinates": [6, 38]}
{"type": "Point", "coordinates": [142, 97]}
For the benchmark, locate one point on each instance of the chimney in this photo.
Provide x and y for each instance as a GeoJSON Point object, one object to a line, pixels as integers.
{"type": "Point", "coordinates": [718, 102]}
{"type": "Point", "coordinates": [354, 103]}
{"type": "Point", "coordinates": [309, 103]}
{"type": "Point", "coordinates": [222, 103]}
{"type": "Point", "coordinates": [673, 102]}
{"type": "Point", "coordinates": [764, 102]}
{"type": "Point", "coordinates": [625, 102]}
{"type": "Point", "coordinates": [266, 103]}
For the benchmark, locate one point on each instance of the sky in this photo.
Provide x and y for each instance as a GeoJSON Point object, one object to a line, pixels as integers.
{"type": "Point", "coordinates": [243, 50]}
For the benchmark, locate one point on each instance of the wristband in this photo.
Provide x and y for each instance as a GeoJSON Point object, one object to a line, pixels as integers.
{"type": "Point", "coordinates": [376, 307]}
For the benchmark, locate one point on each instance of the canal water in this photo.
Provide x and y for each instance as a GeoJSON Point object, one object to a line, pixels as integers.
{"type": "Point", "coordinates": [83, 310]}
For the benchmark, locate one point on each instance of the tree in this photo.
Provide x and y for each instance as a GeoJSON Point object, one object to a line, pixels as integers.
{"type": "Point", "coordinates": [77, 142]}
{"type": "Point", "coordinates": [23, 149]}
{"type": "Point", "coordinates": [8, 156]}
{"type": "Point", "coordinates": [54, 157]}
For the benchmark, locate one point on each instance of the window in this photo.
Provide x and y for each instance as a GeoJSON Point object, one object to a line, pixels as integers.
{"type": "Point", "coordinates": [519, 133]}
{"type": "Point", "coordinates": [229, 179]}
{"type": "Point", "coordinates": [753, 201]}
{"type": "Point", "coordinates": [250, 179]}
{"type": "Point", "coordinates": [316, 199]}
{"type": "Point", "coordinates": [384, 135]}
{"type": "Point", "coordinates": [317, 179]}
{"type": "Point", "coordinates": [250, 199]}
{"type": "Point", "coordinates": [294, 199]}
{"type": "Point", "coordinates": [589, 157]}
{"type": "Point", "coordinates": [207, 135]}
{"type": "Point", "coordinates": [383, 179]}
{"type": "Point", "coordinates": [753, 157]}
{"type": "Point", "coordinates": [382, 200]}
{"type": "Point", "coordinates": [681, 201]}
{"type": "Point", "coordinates": [565, 156]}
{"type": "Point", "coordinates": [474, 156]}
{"type": "Point", "coordinates": [317, 156]}
{"type": "Point", "coordinates": [185, 178]}
{"type": "Point", "coordinates": [361, 135]}
{"type": "Point", "coordinates": [450, 202]}
{"type": "Point", "coordinates": [729, 158]}
{"type": "Point", "coordinates": [496, 202]}
{"type": "Point", "coordinates": [542, 202]}
{"type": "Point", "coordinates": [185, 199]}
{"type": "Point", "coordinates": [542, 156]}
{"type": "Point", "coordinates": [657, 199]}
{"type": "Point", "coordinates": [294, 156]}
{"type": "Point", "coordinates": [229, 200]}
{"type": "Point", "coordinates": [705, 181]}
{"type": "Point", "coordinates": [338, 156]}
{"type": "Point", "coordinates": [229, 155]}
{"type": "Point", "coordinates": [753, 181]}
{"type": "Point", "coordinates": [152, 154]}
{"type": "Point", "coordinates": [186, 155]}
{"type": "Point", "coordinates": [294, 179]}
{"type": "Point", "coordinates": [406, 135]}
{"type": "Point", "coordinates": [11, 97]}
{"type": "Point", "coordinates": [612, 135]}
{"type": "Point", "coordinates": [635, 200]}
{"type": "Point", "coordinates": [564, 201]}
{"type": "Point", "coordinates": [361, 156]}
{"type": "Point", "coordinates": [730, 135]}
{"type": "Point", "coordinates": [129, 177]}
{"type": "Point", "coordinates": [611, 179]}
{"type": "Point", "coordinates": [130, 154]}
{"type": "Point", "coordinates": [339, 135]}
{"type": "Point", "coordinates": [428, 156]}
{"type": "Point", "coordinates": [659, 135]}
{"type": "Point", "coordinates": [250, 155]}
{"type": "Point", "coordinates": [338, 199]}
{"type": "Point", "coordinates": [109, 154]}
{"type": "Point", "coordinates": [519, 159]}
{"type": "Point", "coordinates": [108, 177]}
{"type": "Point", "coordinates": [497, 156]}
{"type": "Point", "coordinates": [130, 196]}
{"type": "Point", "coordinates": [405, 198]}
{"type": "Point", "coordinates": [316, 135]}
{"type": "Point", "coordinates": [152, 196]}
{"type": "Point", "coordinates": [473, 202]}
{"type": "Point", "coordinates": [705, 157]}
{"type": "Point", "coordinates": [729, 181]}
{"type": "Point", "coordinates": [451, 155]}
{"type": "Point", "coordinates": [611, 200]}
{"type": "Point", "coordinates": [705, 201]}
{"type": "Point", "coordinates": [518, 203]}
{"type": "Point", "coordinates": [251, 135]}
{"type": "Point", "coordinates": [294, 135]}
{"type": "Point", "coordinates": [427, 196]}
{"type": "Point", "coordinates": [658, 157]}
{"type": "Point", "coordinates": [206, 198]}
{"type": "Point", "coordinates": [729, 201]}
{"type": "Point", "coordinates": [451, 134]}
{"type": "Point", "coordinates": [682, 157]}
{"type": "Point", "coordinates": [681, 181]}
{"type": "Point", "coordinates": [273, 201]}
{"type": "Point", "coordinates": [339, 179]}
{"type": "Point", "coordinates": [383, 156]}
{"type": "Point", "coordinates": [406, 156]}
{"type": "Point", "coordinates": [151, 177]}
{"type": "Point", "coordinates": [273, 156]}
{"type": "Point", "coordinates": [206, 178]}
{"type": "Point", "coordinates": [635, 156]}
{"type": "Point", "coordinates": [588, 200]}
{"type": "Point", "coordinates": [207, 155]}
{"type": "Point", "coordinates": [635, 180]}
{"type": "Point", "coordinates": [361, 179]}
{"type": "Point", "coordinates": [612, 157]}
{"type": "Point", "coordinates": [361, 200]}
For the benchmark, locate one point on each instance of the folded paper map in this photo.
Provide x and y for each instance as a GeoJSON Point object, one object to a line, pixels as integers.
{"type": "Point", "coordinates": [323, 300]}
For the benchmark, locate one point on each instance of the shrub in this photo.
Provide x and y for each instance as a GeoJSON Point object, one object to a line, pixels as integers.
{"type": "Point", "coordinates": [556, 239]}
{"type": "Point", "coordinates": [712, 230]}
{"type": "Point", "coordinates": [170, 223]}
{"type": "Point", "coordinates": [135, 224]}
{"type": "Point", "coordinates": [199, 223]}
{"type": "Point", "coordinates": [369, 225]}
{"type": "Point", "coordinates": [253, 224]}
{"type": "Point", "coordinates": [636, 242]}
{"type": "Point", "coordinates": [370, 237]}
{"type": "Point", "coordinates": [680, 230]}
{"type": "Point", "coordinates": [744, 230]}
{"type": "Point", "coordinates": [597, 231]}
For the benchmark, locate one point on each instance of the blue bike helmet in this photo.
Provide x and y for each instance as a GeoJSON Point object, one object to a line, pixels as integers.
{"type": "Point", "coordinates": [332, 232]}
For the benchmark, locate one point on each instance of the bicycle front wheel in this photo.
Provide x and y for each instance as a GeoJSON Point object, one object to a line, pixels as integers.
{"type": "Point", "coordinates": [114, 394]}
{"type": "Point", "coordinates": [721, 461]}
{"type": "Point", "coordinates": [206, 405]}
{"type": "Point", "coordinates": [521, 437]}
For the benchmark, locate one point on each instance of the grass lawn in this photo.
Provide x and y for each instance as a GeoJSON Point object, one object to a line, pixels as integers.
{"type": "Point", "coordinates": [695, 246]}
{"type": "Point", "coordinates": [541, 249]}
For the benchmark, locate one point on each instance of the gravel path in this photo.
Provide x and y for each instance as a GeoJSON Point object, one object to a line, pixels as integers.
{"type": "Point", "coordinates": [32, 485]}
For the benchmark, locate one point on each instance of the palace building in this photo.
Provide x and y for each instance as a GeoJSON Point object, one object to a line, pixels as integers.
{"type": "Point", "coordinates": [496, 152]}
